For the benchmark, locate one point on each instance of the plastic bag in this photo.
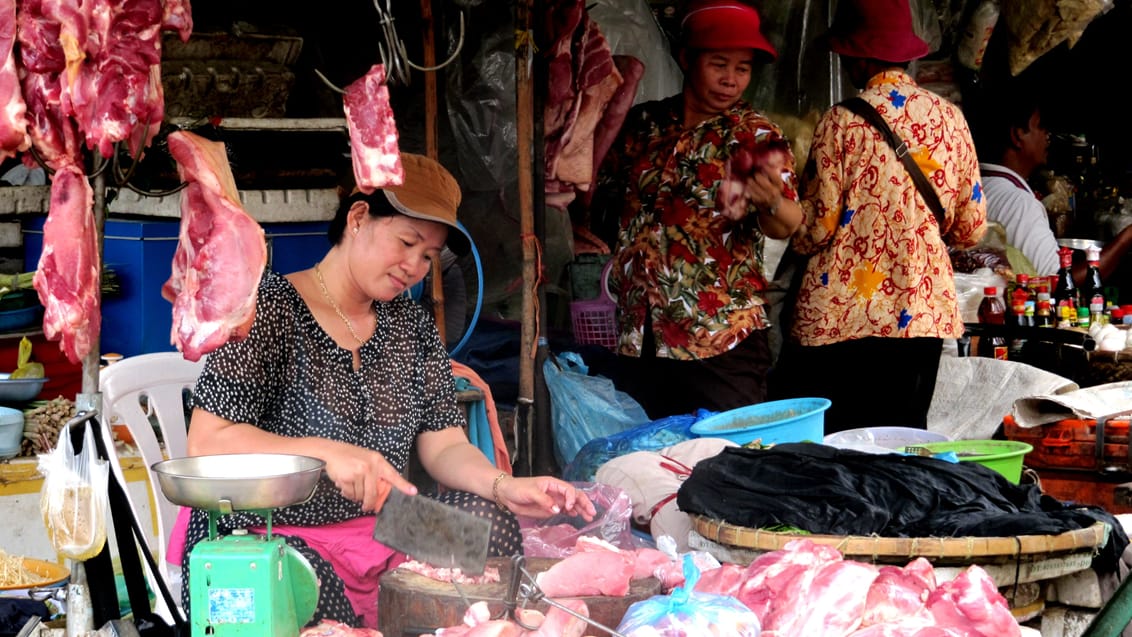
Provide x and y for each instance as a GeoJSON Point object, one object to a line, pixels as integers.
{"type": "Point", "coordinates": [687, 612]}
{"type": "Point", "coordinates": [74, 498]}
{"type": "Point", "coordinates": [557, 536]}
{"type": "Point", "coordinates": [585, 407]}
{"type": "Point", "coordinates": [969, 291]}
{"type": "Point", "coordinates": [649, 436]}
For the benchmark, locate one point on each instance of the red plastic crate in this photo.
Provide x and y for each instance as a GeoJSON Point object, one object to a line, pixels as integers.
{"type": "Point", "coordinates": [1072, 444]}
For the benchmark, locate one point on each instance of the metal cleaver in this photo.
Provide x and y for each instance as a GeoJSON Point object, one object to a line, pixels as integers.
{"type": "Point", "coordinates": [433, 532]}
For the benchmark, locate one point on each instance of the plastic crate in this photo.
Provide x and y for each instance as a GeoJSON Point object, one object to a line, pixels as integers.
{"type": "Point", "coordinates": [1072, 444]}
{"type": "Point", "coordinates": [595, 322]}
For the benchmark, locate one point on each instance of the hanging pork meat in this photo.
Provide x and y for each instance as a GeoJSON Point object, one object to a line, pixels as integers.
{"type": "Point", "coordinates": [67, 275]}
{"type": "Point", "coordinates": [221, 252]}
{"type": "Point", "coordinates": [13, 111]}
{"type": "Point", "coordinates": [373, 133]}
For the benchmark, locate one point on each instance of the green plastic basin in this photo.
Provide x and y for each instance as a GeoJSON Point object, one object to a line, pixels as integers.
{"type": "Point", "coordinates": [1004, 456]}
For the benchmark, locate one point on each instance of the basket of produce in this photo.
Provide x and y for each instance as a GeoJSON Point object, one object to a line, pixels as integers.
{"type": "Point", "coordinates": [901, 549]}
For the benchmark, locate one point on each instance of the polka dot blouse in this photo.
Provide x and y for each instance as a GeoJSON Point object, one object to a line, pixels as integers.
{"type": "Point", "coordinates": [289, 377]}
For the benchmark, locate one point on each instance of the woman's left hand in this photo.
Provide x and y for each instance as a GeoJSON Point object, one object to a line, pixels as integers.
{"type": "Point", "coordinates": [542, 497]}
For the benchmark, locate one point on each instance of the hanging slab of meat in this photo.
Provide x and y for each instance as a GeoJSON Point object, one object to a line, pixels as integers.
{"type": "Point", "coordinates": [13, 111]}
{"type": "Point", "coordinates": [178, 16]}
{"type": "Point", "coordinates": [373, 133]}
{"type": "Point", "coordinates": [67, 275]}
{"type": "Point", "coordinates": [110, 94]}
{"type": "Point", "coordinates": [221, 252]}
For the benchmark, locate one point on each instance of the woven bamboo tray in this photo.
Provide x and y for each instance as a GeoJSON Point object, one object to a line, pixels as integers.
{"type": "Point", "coordinates": [903, 549]}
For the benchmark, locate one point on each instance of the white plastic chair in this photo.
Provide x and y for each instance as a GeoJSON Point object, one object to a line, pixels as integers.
{"type": "Point", "coordinates": [134, 390]}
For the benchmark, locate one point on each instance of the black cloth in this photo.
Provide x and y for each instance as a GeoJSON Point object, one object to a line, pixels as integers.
{"type": "Point", "coordinates": [826, 490]}
{"type": "Point", "coordinates": [872, 382]}
{"type": "Point", "coordinates": [669, 387]}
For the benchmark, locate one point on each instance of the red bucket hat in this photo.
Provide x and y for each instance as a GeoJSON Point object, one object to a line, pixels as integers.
{"type": "Point", "coordinates": [724, 24]}
{"type": "Point", "coordinates": [879, 29]}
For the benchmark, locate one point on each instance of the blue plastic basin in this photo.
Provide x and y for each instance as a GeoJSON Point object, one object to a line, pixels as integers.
{"type": "Point", "coordinates": [790, 420]}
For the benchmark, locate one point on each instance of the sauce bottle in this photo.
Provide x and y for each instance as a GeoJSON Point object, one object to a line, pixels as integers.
{"type": "Point", "coordinates": [1065, 292]}
{"type": "Point", "coordinates": [1092, 291]}
{"type": "Point", "coordinates": [992, 311]}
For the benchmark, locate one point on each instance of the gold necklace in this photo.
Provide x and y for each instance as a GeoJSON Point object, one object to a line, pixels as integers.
{"type": "Point", "coordinates": [337, 310]}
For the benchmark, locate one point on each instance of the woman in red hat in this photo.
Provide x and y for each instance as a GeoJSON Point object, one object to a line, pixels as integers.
{"type": "Point", "coordinates": [878, 294]}
{"type": "Point", "coordinates": [688, 192]}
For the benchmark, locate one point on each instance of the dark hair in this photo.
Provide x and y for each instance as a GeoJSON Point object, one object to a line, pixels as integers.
{"type": "Point", "coordinates": [379, 206]}
{"type": "Point", "coordinates": [999, 113]}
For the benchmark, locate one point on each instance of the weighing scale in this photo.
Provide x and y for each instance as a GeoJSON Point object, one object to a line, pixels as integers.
{"type": "Point", "coordinates": [244, 584]}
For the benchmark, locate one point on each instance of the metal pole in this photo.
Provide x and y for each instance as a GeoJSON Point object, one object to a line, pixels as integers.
{"type": "Point", "coordinates": [90, 399]}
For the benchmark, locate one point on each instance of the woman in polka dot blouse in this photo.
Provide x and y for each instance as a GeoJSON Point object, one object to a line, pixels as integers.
{"type": "Point", "coordinates": [341, 365]}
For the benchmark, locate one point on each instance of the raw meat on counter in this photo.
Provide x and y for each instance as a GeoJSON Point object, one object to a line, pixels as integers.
{"type": "Point", "coordinates": [331, 628]}
{"type": "Point", "coordinates": [810, 589]}
{"type": "Point", "coordinates": [490, 573]}
{"type": "Point", "coordinates": [374, 151]}
{"type": "Point", "coordinates": [67, 277]}
{"type": "Point", "coordinates": [556, 622]}
{"type": "Point", "coordinates": [221, 252]}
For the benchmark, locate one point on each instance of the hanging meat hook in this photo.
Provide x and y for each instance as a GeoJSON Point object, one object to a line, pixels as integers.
{"type": "Point", "coordinates": [392, 51]}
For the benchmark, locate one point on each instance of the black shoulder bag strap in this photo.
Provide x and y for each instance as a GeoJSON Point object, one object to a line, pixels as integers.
{"type": "Point", "coordinates": [870, 115]}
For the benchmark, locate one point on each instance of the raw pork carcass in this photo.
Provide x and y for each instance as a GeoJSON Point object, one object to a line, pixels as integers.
{"type": "Point", "coordinates": [373, 132]}
{"type": "Point", "coordinates": [13, 111]}
{"type": "Point", "coordinates": [67, 275]}
{"type": "Point", "coordinates": [221, 252]}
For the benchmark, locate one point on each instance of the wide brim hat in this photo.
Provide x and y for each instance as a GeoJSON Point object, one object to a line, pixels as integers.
{"type": "Point", "coordinates": [430, 192]}
{"type": "Point", "coordinates": [876, 29]}
{"type": "Point", "coordinates": [725, 24]}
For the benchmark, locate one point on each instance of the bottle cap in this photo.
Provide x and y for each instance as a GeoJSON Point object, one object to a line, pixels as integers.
{"type": "Point", "coordinates": [1093, 253]}
{"type": "Point", "coordinates": [1117, 314]}
{"type": "Point", "coordinates": [990, 290]}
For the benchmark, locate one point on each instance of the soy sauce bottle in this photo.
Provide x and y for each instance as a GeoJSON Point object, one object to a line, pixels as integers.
{"type": "Point", "coordinates": [1065, 292]}
{"type": "Point", "coordinates": [992, 311]}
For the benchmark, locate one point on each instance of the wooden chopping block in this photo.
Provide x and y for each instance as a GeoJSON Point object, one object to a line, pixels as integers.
{"type": "Point", "coordinates": [410, 604]}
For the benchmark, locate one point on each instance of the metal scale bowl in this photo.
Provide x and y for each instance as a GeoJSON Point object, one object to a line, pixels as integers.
{"type": "Point", "coordinates": [245, 584]}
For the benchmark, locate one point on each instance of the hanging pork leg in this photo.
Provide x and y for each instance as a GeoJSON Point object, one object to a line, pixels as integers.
{"type": "Point", "coordinates": [221, 252]}
{"type": "Point", "coordinates": [13, 111]}
{"type": "Point", "coordinates": [67, 276]}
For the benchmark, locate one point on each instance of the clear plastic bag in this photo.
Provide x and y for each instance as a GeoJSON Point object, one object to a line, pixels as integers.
{"type": "Point", "coordinates": [686, 612]}
{"type": "Point", "coordinates": [74, 499]}
{"type": "Point", "coordinates": [558, 535]}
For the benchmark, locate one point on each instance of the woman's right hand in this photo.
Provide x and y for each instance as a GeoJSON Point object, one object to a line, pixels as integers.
{"type": "Point", "coordinates": [365, 476]}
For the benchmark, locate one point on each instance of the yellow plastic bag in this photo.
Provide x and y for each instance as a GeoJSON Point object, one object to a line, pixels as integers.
{"type": "Point", "coordinates": [74, 499]}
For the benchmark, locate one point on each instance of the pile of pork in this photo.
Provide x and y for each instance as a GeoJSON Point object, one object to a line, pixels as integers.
{"type": "Point", "coordinates": [803, 589]}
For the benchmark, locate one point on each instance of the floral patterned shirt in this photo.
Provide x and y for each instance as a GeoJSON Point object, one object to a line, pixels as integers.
{"type": "Point", "coordinates": [699, 273]}
{"type": "Point", "coordinates": [879, 265]}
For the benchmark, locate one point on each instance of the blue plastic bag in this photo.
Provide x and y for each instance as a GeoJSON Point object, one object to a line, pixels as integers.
{"type": "Point", "coordinates": [649, 436]}
{"type": "Point", "coordinates": [685, 612]}
{"type": "Point", "coordinates": [584, 407]}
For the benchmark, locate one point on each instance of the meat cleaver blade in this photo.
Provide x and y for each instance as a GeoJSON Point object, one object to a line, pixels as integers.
{"type": "Point", "coordinates": [433, 532]}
